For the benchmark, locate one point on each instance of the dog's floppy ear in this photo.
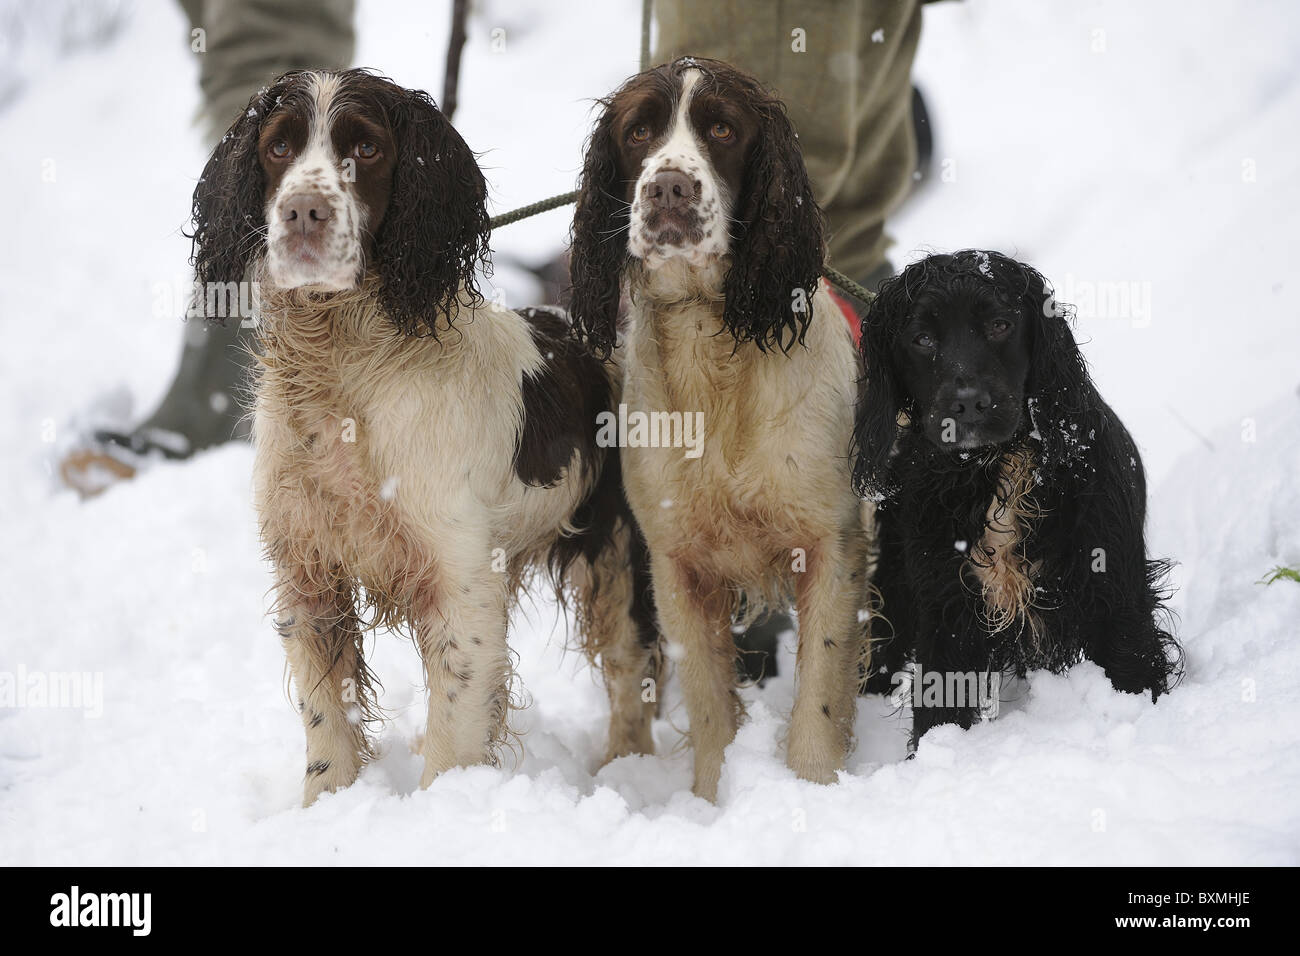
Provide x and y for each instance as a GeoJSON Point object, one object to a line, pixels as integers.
{"type": "Point", "coordinates": [1059, 393]}
{"type": "Point", "coordinates": [228, 218]}
{"type": "Point", "coordinates": [434, 234]}
{"type": "Point", "coordinates": [875, 425]}
{"type": "Point", "coordinates": [779, 245]}
{"type": "Point", "coordinates": [598, 251]}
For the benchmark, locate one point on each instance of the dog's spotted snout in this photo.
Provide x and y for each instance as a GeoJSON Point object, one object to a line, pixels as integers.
{"type": "Point", "coordinates": [306, 212]}
{"type": "Point", "coordinates": [671, 189]}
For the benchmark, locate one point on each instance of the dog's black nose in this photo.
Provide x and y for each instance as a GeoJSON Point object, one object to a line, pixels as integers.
{"type": "Point", "coordinates": [670, 189]}
{"type": "Point", "coordinates": [306, 212]}
{"type": "Point", "coordinates": [970, 406]}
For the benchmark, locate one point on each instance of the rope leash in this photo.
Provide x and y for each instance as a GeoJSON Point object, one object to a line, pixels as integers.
{"type": "Point", "coordinates": [845, 284]}
{"type": "Point", "coordinates": [837, 278]}
{"type": "Point", "coordinates": [533, 209]}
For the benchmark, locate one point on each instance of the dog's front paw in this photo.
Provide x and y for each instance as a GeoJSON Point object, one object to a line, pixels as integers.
{"type": "Point", "coordinates": [324, 777]}
{"type": "Point", "coordinates": [627, 749]}
{"type": "Point", "coordinates": [707, 775]}
{"type": "Point", "coordinates": [811, 769]}
{"type": "Point", "coordinates": [629, 737]}
{"type": "Point", "coordinates": [815, 753]}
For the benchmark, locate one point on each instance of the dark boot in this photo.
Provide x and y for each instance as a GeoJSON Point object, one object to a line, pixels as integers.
{"type": "Point", "coordinates": [205, 406]}
{"type": "Point", "coordinates": [756, 646]}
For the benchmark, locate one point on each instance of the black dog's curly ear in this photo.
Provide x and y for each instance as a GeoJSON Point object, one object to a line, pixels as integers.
{"type": "Point", "coordinates": [875, 425]}
{"type": "Point", "coordinates": [598, 250]}
{"type": "Point", "coordinates": [1060, 395]}
{"type": "Point", "coordinates": [228, 218]}
{"type": "Point", "coordinates": [778, 254]}
{"type": "Point", "coordinates": [435, 232]}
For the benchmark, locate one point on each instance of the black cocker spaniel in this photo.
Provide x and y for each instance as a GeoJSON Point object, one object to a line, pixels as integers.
{"type": "Point", "coordinates": [1011, 499]}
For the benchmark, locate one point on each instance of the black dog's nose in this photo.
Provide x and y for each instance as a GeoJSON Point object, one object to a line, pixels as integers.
{"type": "Point", "coordinates": [670, 189]}
{"type": "Point", "coordinates": [970, 406]}
{"type": "Point", "coordinates": [308, 212]}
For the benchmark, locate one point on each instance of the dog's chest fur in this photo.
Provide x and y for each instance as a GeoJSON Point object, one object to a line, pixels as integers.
{"type": "Point", "coordinates": [381, 456]}
{"type": "Point", "coordinates": [988, 512]}
{"type": "Point", "coordinates": [762, 485]}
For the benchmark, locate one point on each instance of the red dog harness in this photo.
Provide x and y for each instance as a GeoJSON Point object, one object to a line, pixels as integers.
{"type": "Point", "coordinates": [850, 316]}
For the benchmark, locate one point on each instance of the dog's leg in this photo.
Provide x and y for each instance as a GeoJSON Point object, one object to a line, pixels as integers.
{"type": "Point", "coordinates": [891, 607]}
{"type": "Point", "coordinates": [322, 641]}
{"type": "Point", "coordinates": [617, 614]}
{"type": "Point", "coordinates": [1136, 653]}
{"type": "Point", "coordinates": [1127, 641]}
{"type": "Point", "coordinates": [631, 671]}
{"type": "Point", "coordinates": [952, 655]}
{"type": "Point", "coordinates": [828, 594]}
{"type": "Point", "coordinates": [694, 609]}
{"type": "Point", "coordinates": [461, 631]}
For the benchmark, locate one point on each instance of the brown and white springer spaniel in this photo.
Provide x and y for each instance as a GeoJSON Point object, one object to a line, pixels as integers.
{"type": "Point", "coordinates": [418, 450]}
{"type": "Point", "coordinates": [694, 195]}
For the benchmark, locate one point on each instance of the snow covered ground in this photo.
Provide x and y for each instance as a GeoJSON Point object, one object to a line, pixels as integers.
{"type": "Point", "coordinates": [1150, 147]}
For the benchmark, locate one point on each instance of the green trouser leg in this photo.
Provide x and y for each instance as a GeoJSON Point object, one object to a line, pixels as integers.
{"type": "Point", "coordinates": [843, 68]}
{"type": "Point", "coordinates": [245, 44]}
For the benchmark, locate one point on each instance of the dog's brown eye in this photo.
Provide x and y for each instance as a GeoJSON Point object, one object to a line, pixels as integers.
{"type": "Point", "coordinates": [367, 150]}
{"type": "Point", "coordinates": [279, 149]}
{"type": "Point", "coordinates": [924, 340]}
{"type": "Point", "coordinates": [1000, 326]}
{"type": "Point", "coordinates": [639, 134]}
{"type": "Point", "coordinates": [721, 131]}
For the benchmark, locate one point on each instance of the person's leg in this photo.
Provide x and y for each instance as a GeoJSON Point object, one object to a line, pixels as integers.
{"type": "Point", "coordinates": [843, 68]}
{"type": "Point", "coordinates": [243, 46]}
{"type": "Point", "coordinates": [248, 43]}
